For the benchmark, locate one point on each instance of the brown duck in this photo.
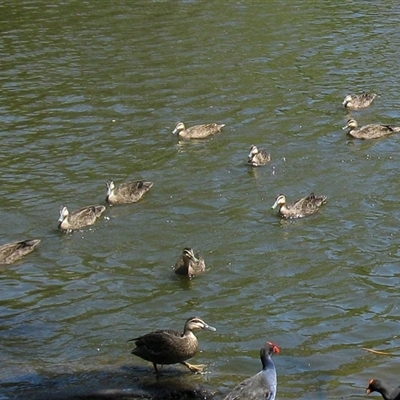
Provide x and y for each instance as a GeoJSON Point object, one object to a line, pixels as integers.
{"type": "Point", "coordinates": [257, 158]}
{"type": "Point", "coordinates": [125, 193]}
{"type": "Point", "coordinates": [197, 131]}
{"type": "Point", "coordinates": [358, 101]}
{"type": "Point", "coordinates": [11, 252]}
{"type": "Point", "coordinates": [189, 263]}
{"type": "Point", "coordinates": [80, 218]}
{"type": "Point", "coordinates": [300, 208]}
{"type": "Point", "coordinates": [371, 131]}
{"type": "Point", "coordinates": [171, 347]}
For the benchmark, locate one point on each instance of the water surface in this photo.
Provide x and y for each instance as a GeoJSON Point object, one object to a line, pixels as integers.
{"type": "Point", "coordinates": [92, 91]}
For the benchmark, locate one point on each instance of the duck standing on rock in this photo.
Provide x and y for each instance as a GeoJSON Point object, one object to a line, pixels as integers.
{"type": "Point", "coordinates": [262, 386]}
{"type": "Point", "coordinates": [300, 208]}
{"type": "Point", "coordinates": [171, 347]}
{"type": "Point", "coordinates": [189, 263]}
{"type": "Point", "coordinates": [376, 385]}
{"type": "Point", "coordinates": [358, 101]}
{"type": "Point", "coordinates": [197, 131]}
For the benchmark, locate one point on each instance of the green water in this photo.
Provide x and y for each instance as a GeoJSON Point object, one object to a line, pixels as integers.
{"type": "Point", "coordinates": [91, 91]}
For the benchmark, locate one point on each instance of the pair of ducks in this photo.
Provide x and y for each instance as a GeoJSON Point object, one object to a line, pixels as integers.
{"type": "Point", "coordinates": [165, 347]}
{"type": "Point", "coordinates": [371, 131]}
{"type": "Point", "coordinates": [256, 158]}
{"type": "Point", "coordinates": [125, 193]}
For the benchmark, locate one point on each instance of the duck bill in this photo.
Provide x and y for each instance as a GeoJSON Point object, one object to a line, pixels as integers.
{"type": "Point", "coordinates": [175, 131]}
{"type": "Point", "coordinates": [60, 218]}
{"type": "Point", "coordinates": [193, 256]}
{"type": "Point", "coordinates": [210, 328]}
{"type": "Point", "coordinates": [274, 205]}
{"type": "Point", "coordinates": [345, 127]}
{"type": "Point", "coordinates": [368, 391]}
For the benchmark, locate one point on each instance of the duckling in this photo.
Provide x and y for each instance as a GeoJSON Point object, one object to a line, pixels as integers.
{"type": "Point", "coordinates": [189, 264]}
{"type": "Point", "coordinates": [371, 131]}
{"type": "Point", "coordinates": [79, 218]}
{"type": "Point", "coordinates": [171, 347]}
{"type": "Point", "coordinates": [300, 208]}
{"type": "Point", "coordinates": [197, 131]}
{"type": "Point", "coordinates": [125, 193]}
{"type": "Point", "coordinates": [356, 102]}
{"type": "Point", "coordinates": [257, 158]}
{"type": "Point", "coordinates": [11, 252]}
{"type": "Point", "coordinates": [262, 385]}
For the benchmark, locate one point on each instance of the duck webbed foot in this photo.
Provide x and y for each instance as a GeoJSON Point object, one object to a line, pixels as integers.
{"type": "Point", "coordinates": [194, 368]}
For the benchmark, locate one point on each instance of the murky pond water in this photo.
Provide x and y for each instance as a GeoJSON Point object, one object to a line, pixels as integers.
{"type": "Point", "coordinates": [91, 91]}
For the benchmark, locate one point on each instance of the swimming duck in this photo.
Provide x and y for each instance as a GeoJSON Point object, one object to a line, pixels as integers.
{"type": "Point", "coordinates": [197, 131]}
{"type": "Point", "coordinates": [125, 193]}
{"type": "Point", "coordinates": [300, 208]}
{"type": "Point", "coordinates": [171, 347]}
{"type": "Point", "coordinates": [11, 252]}
{"type": "Point", "coordinates": [189, 264]}
{"type": "Point", "coordinates": [358, 101]}
{"type": "Point", "coordinates": [371, 131]}
{"type": "Point", "coordinates": [257, 158]}
{"type": "Point", "coordinates": [376, 385]}
{"type": "Point", "coordinates": [262, 385]}
{"type": "Point", "coordinates": [79, 218]}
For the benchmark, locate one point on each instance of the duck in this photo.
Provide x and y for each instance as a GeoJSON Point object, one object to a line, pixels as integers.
{"type": "Point", "coordinates": [189, 263]}
{"type": "Point", "coordinates": [262, 385]}
{"type": "Point", "coordinates": [371, 131]}
{"type": "Point", "coordinates": [376, 385]}
{"type": "Point", "coordinates": [11, 252]}
{"type": "Point", "coordinates": [258, 158]}
{"type": "Point", "coordinates": [197, 131]}
{"type": "Point", "coordinates": [79, 218]}
{"type": "Point", "coordinates": [359, 101]}
{"type": "Point", "coordinates": [171, 347]}
{"type": "Point", "coordinates": [125, 193]}
{"type": "Point", "coordinates": [300, 208]}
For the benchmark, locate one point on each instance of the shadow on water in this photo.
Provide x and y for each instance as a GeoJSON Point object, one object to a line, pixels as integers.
{"type": "Point", "coordinates": [121, 383]}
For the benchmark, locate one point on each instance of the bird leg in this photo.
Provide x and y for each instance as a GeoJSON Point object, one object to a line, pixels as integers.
{"type": "Point", "coordinates": [155, 368]}
{"type": "Point", "coordinates": [194, 368]}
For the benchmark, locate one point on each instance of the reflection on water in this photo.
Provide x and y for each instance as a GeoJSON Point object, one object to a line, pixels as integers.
{"type": "Point", "coordinates": [93, 93]}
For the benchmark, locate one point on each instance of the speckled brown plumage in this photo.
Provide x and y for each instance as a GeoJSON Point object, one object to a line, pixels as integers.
{"type": "Point", "coordinates": [358, 101]}
{"type": "Point", "coordinates": [79, 218]}
{"type": "Point", "coordinates": [189, 263]}
{"type": "Point", "coordinates": [371, 131]}
{"type": "Point", "coordinates": [128, 192]}
{"type": "Point", "coordinates": [171, 347]}
{"type": "Point", "coordinates": [197, 131]}
{"type": "Point", "coordinates": [11, 252]}
{"type": "Point", "coordinates": [300, 208]}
